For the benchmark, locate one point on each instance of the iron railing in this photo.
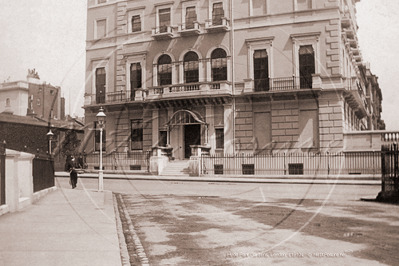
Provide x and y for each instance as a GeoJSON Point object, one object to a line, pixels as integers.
{"type": "Point", "coordinates": [282, 84]}
{"type": "Point", "coordinates": [137, 160]}
{"type": "Point", "coordinates": [293, 164]}
{"type": "Point", "coordinates": [43, 173]}
{"type": "Point", "coordinates": [2, 176]}
{"type": "Point", "coordinates": [390, 169]}
{"type": "Point", "coordinates": [114, 97]}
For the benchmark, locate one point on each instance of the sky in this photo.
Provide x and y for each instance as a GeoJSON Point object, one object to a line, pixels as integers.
{"type": "Point", "coordinates": [50, 35]}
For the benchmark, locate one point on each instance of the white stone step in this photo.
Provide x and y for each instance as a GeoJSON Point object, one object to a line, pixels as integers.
{"type": "Point", "coordinates": [176, 168]}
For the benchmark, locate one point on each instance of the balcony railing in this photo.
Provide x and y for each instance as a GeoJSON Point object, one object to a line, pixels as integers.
{"type": "Point", "coordinates": [188, 29]}
{"type": "Point", "coordinates": [278, 84]}
{"type": "Point", "coordinates": [114, 97]}
{"type": "Point", "coordinates": [189, 89]}
{"type": "Point", "coordinates": [162, 32]}
{"type": "Point", "coordinates": [217, 25]}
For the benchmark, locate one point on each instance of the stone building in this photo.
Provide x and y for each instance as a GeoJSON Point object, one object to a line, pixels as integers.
{"type": "Point", "coordinates": [256, 76]}
{"type": "Point", "coordinates": [32, 97]}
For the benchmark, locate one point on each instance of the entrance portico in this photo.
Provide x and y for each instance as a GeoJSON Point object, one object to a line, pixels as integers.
{"type": "Point", "coordinates": [186, 128]}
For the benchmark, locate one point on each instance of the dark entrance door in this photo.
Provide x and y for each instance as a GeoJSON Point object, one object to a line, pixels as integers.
{"type": "Point", "coordinates": [192, 136]}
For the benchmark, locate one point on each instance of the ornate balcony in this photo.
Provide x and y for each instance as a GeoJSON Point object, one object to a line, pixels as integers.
{"type": "Point", "coordinates": [345, 22]}
{"type": "Point", "coordinates": [115, 97]}
{"type": "Point", "coordinates": [349, 33]}
{"type": "Point", "coordinates": [218, 25]}
{"type": "Point", "coordinates": [189, 29]}
{"type": "Point", "coordinates": [189, 90]}
{"type": "Point", "coordinates": [355, 95]}
{"type": "Point", "coordinates": [162, 32]}
{"type": "Point", "coordinates": [279, 84]}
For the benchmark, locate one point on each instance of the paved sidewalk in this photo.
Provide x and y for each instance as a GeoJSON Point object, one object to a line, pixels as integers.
{"type": "Point", "coordinates": [66, 227]}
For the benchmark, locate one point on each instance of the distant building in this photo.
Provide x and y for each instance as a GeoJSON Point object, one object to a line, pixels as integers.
{"type": "Point", "coordinates": [32, 97]}
{"type": "Point", "coordinates": [272, 76]}
{"type": "Point", "coordinates": [14, 97]}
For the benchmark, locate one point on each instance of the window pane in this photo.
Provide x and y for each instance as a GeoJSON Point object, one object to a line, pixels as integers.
{"type": "Point", "coordinates": [191, 67]}
{"type": "Point", "coordinates": [219, 138]}
{"type": "Point", "coordinates": [137, 134]}
{"type": "Point", "coordinates": [135, 76]}
{"type": "Point", "coordinates": [219, 65]}
{"type": "Point", "coordinates": [164, 19]}
{"type": "Point", "coordinates": [261, 70]}
{"type": "Point", "coordinates": [306, 66]}
{"type": "Point", "coordinates": [191, 16]}
{"type": "Point", "coordinates": [101, 28]}
{"type": "Point", "coordinates": [136, 23]}
{"type": "Point", "coordinates": [100, 84]}
{"type": "Point", "coordinates": [164, 70]}
{"type": "Point", "coordinates": [217, 13]}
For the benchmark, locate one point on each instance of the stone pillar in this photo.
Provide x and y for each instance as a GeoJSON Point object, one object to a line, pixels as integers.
{"type": "Point", "coordinates": [19, 180]}
{"type": "Point", "coordinates": [155, 127]}
{"type": "Point", "coordinates": [331, 122]}
{"type": "Point", "coordinates": [228, 129]}
{"type": "Point", "coordinates": [210, 120]}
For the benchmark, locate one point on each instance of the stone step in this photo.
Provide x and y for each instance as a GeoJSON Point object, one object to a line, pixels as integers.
{"type": "Point", "coordinates": [176, 168]}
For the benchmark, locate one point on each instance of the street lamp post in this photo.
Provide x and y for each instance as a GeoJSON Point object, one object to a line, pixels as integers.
{"type": "Point", "coordinates": [50, 136]}
{"type": "Point", "coordinates": [101, 120]}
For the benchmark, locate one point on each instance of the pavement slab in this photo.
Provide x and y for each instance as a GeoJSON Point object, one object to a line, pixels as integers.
{"type": "Point", "coordinates": [66, 227]}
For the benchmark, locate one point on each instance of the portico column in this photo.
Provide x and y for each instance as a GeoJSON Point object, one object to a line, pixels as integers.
{"type": "Point", "coordinates": [210, 120]}
{"type": "Point", "coordinates": [169, 128]}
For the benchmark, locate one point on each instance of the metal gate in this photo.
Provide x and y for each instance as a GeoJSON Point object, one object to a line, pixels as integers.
{"type": "Point", "coordinates": [43, 173]}
{"type": "Point", "coordinates": [389, 168]}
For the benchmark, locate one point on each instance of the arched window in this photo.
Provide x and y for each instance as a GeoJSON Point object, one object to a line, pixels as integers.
{"type": "Point", "coordinates": [306, 66]}
{"type": "Point", "coordinates": [164, 70]}
{"type": "Point", "coordinates": [191, 67]}
{"type": "Point", "coordinates": [261, 70]}
{"type": "Point", "coordinates": [219, 64]}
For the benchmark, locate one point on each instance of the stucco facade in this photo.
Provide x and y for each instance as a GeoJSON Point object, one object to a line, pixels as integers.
{"type": "Point", "coordinates": [238, 76]}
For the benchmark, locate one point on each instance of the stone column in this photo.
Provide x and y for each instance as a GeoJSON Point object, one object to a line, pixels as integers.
{"type": "Point", "coordinates": [228, 129]}
{"type": "Point", "coordinates": [210, 120]}
{"type": "Point", "coordinates": [155, 127]}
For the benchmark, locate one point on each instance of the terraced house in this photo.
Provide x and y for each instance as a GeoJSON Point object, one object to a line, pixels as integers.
{"type": "Point", "coordinates": [252, 76]}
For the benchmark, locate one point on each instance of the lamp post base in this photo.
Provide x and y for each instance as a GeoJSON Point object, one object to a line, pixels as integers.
{"type": "Point", "coordinates": [100, 180]}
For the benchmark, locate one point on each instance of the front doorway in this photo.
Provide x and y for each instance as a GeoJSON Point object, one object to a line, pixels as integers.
{"type": "Point", "coordinates": [192, 136]}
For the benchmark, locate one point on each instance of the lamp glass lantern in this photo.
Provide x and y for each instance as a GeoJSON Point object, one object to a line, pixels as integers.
{"type": "Point", "coordinates": [50, 136]}
{"type": "Point", "coordinates": [101, 117]}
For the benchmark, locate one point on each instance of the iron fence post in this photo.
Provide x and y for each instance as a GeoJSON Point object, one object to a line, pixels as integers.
{"type": "Point", "coordinates": [383, 168]}
{"type": "Point", "coordinates": [285, 166]}
{"type": "Point", "coordinates": [328, 163]}
{"type": "Point", "coordinates": [395, 154]}
{"type": "Point", "coordinates": [3, 173]}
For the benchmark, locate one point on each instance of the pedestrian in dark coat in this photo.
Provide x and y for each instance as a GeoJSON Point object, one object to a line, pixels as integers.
{"type": "Point", "coordinates": [73, 174]}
